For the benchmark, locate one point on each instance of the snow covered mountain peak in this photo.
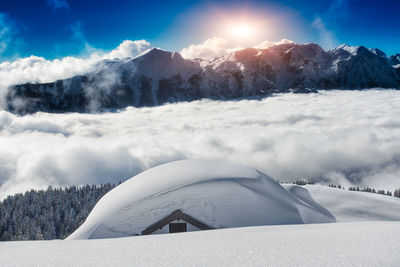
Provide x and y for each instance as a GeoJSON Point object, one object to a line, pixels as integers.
{"type": "Point", "coordinates": [353, 50]}
{"type": "Point", "coordinates": [158, 76]}
{"type": "Point", "coordinates": [346, 51]}
{"type": "Point", "coordinates": [395, 59]}
{"type": "Point", "coordinates": [378, 52]}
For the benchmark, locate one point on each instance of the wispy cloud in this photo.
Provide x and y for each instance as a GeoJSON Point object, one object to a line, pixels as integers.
{"type": "Point", "coordinates": [78, 39]}
{"type": "Point", "coordinates": [77, 31]}
{"type": "Point", "coordinates": [8, 35]}
{"type": "Point", "coordinates": [58, 4]}
{"type": "Point", "coordinates": [325, 22]}
{"type": "Point", "coordinates": [327, 38]}
{"type": "Point", "coordinates": [4, 33]}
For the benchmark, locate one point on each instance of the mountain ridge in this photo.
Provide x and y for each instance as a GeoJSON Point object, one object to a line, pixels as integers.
{"type": "Point", "coordinates": [158, 76]}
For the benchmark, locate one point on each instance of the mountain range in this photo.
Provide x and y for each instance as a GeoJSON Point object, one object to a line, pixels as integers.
{"type": "Point", "coordinates": [157, 76]}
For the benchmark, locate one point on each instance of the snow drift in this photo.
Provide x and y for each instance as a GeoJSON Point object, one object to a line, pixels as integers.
{"type": "Point", "coordinates": [353, 206]}
{"type": "Point", "coordinates": [219, 193]}
{"type": "Point", "coordinates": [338, 244]}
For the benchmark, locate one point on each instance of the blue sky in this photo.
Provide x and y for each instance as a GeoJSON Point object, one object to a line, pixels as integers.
{"type": "Point", "coordinates": [58, 28]}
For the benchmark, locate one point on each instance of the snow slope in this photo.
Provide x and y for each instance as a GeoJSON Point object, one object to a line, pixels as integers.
{"type": "Point", "coordinates": [219, 193]}
{"type": "Point", "coordinates": [338, 244]}
{"type": "Point", "coordinates": [354, 206]}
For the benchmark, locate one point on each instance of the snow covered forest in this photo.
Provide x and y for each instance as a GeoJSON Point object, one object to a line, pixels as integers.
{"type": "Point", "coordinates": [48, 214]}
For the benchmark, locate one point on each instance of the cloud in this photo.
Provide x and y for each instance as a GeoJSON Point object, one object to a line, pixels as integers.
{"type": "Point", "coordinates": [267, 44]}
{"type": "Point", "coordinates": [39, 69]}
{"type": "Point", "coordinates": [327, 38]}
{"type": "Point", "coordinates": [288, 136]}
{"type": "Point", "coordinates": [77, 31]}
{"type": "Point", "coordinates": [77, 41]}
{"type": "Point", "coordinates": [130, 49]}
{"type": "Point", "coordinates": [209, 49]}
{"type": "Point", "coordinates": [9, 40]}
{"type": "Point", "coordinates": [58, 4]}
{"type": "Point", "coordinates": [218, 47]}
{"type": "Point", "coordinates": [4, 33]}
{"type": "Point", "coordinates": [323, 23]}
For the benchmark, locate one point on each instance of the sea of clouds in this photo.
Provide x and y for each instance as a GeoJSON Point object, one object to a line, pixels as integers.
{"type": "Point", "coordinates": [333, 136]}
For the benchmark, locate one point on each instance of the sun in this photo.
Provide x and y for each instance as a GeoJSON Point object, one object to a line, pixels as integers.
{"type": "Point", "coordinates": [241, 30]}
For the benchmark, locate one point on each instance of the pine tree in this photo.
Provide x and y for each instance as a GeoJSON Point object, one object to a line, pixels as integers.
{"type": "Point", "coordinates": [51, 214]}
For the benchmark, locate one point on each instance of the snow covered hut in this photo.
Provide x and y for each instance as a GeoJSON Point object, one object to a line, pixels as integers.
{"type": "Point", "coordinates": [192, 195]}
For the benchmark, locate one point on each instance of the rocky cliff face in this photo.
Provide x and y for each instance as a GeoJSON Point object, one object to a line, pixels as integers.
{"type": "Point", "coordinates": [395, 59]}
{"type": "Point", "coordinates": [395, 62]}
{"type": "Point", "coordinates": [159, 76]}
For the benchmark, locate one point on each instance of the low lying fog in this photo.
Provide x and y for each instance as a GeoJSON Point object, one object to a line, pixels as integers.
{"type": "Point", "coordinates": [333, 137]}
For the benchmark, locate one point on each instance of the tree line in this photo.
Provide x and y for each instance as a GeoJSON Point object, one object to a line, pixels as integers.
{"type": "Point", "coordinates": [54, 213]}
{"type": "Point", "coordinates": [368, 189]}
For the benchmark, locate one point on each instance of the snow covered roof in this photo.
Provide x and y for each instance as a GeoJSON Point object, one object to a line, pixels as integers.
{"type": "Point", "coordinates": [219, 193]}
